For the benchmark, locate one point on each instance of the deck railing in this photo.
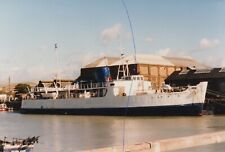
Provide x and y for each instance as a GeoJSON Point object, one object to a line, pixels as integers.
{"type": "Point", "coordinates": [93, 86]}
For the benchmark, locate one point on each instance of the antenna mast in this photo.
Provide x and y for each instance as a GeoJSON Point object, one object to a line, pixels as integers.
{"type": "Point", "coordinates": [9, 85]}
{"type": "Point", "coordinates": [131, 28]}
{"type": "Point", "coordinates": [57, 63]}
{"type": "Point", "coordinates": [135, 60]}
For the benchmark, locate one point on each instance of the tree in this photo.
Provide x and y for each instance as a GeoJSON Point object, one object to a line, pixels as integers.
{"type": "Point", "coordinates": [22, 88]}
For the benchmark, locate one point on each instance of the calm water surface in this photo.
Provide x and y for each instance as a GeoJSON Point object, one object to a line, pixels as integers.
{"type": "Point", "coordinates": [63, 133]}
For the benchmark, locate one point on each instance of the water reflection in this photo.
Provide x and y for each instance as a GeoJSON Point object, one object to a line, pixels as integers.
{"type": "Point", "coordinates": [73, 133]}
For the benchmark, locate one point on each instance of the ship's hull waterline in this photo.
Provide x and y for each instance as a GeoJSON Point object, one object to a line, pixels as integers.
{"type": "Point", "coordinates": [176, 110]}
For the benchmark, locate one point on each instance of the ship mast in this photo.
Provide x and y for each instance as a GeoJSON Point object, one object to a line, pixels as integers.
{"type": "Point", "coordinates": [57, 64]}
{"type": "Point", "coordinates": [9, 81]}
{"type": "Point", "coordinates": [123, 68]}
{"type": "Point", "coordinates": [9, 86]}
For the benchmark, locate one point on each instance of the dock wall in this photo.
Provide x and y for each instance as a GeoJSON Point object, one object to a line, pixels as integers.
{"type": "Point", "coordinates": [168, 144]}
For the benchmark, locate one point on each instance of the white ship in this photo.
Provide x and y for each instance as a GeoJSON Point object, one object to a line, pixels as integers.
{"type": "Point", "coordinates": [130, 95]}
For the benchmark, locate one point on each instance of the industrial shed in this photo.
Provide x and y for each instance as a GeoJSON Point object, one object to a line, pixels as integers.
{"type": "Point", "coordinates": [153, 67]}
{"type": "Point", "coordinates": [215, 96]}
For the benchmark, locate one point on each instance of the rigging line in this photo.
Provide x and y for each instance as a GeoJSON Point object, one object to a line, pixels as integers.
{"type": "Point", "coordinates": [125, 114]}
{"type": "Point", "coordinates": [131, 28]}
{"type": "Point", "coordinates": [134, 46]}
{"type": "Point", "coordinates": [216, 93]}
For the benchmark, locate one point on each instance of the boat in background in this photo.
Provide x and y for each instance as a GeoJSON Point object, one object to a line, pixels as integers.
{"type": "Point", "coordinates": [18, 145]}
{"type": "Point", "coordinates": [127, 95]}
{"type": "Point", "coordinates": [3, 107]}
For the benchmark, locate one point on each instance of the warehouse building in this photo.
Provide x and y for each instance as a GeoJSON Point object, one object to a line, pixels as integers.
{"type": "Point", "coordinates": [215, 96]}
{"type": "Point", "coordinates": [154, 68]}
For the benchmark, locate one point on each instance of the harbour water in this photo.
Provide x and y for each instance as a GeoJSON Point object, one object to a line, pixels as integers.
{"type": "Point", "coordinates": [65, 133]}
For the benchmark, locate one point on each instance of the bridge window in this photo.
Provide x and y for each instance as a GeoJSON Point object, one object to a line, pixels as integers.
{"type": "Point", "coordinates": [202, 71]}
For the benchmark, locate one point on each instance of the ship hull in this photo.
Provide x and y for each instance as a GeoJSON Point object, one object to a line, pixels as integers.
{"type": "Point", "coordinates": [185, 110]}
{"type": "Point", "coordinates": [188, 102]}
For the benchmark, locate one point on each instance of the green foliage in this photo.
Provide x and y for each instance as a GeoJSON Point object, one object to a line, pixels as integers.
{"type": "Point", "coordinates": [22, 88]}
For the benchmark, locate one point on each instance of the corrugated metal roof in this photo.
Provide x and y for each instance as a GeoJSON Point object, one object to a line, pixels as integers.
{"type": "Point", "coordinates": [200, 74]}
{"type": "Point", "coordinates": [186, 62]}
{"type": "Point", "coordinates": [104, 61]}
{"type": "Point", "coordinates": [146, 59]}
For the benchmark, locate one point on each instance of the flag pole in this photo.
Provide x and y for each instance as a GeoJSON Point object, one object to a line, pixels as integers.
{"type": "Point", "coordinates": [57, 64]}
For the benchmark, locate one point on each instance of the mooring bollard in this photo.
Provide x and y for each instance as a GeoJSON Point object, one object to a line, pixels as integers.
{"type": "Point", "coordinates": [155, 147]}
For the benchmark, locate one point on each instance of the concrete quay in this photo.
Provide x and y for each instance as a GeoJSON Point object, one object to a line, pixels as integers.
{"type": "Point", "coordinates": [168, 144]}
